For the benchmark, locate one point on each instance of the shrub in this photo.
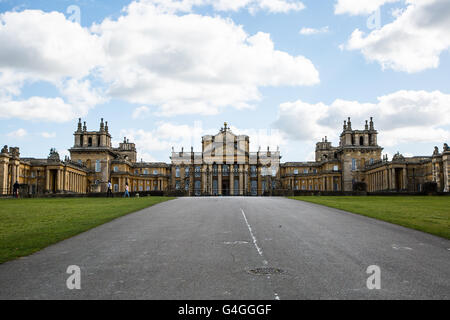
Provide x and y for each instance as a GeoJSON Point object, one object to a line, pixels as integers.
{"type": "Point", "coordinates": [429, 187]}
{"type": "Point", "coordinates": [359, 186]}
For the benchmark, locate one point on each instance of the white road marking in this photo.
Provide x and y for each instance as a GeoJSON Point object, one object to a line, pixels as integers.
{"type": "Point", "coordinates": [395, 247]}
{"type": "Point", "coordinates": [235, 242]}
{"type": "Point", "coordinates": [255, 242]}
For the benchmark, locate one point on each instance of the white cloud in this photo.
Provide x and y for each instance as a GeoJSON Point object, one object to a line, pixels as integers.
{"type": "Point", "coordinates": [19, 133]}
{"type": "Point", "coordinates": [411, 43]}
{"type": "Point", "coordinates": [400, 117]}
{"type": "Point", "coordinates": [179, 63]}
{"type": "Point", "coordinates": [272, 6]}
{"type": "Point", "coordinates": [359, 7]}
{"type": "Point", "coordinates": [38, 108]}
{"type": "Point", "coordinates": [80, 94]}
{"type": "Point", "coordinates": [48, 135]}
{"type": "Point", "coordinates": [167, 135]}
{"type": "Point", "coordinates": [47, 46]}
{"type": "Point", "coordinates": [193, 63]}
{"type": "Point", "coordinates": [39, 46]}
{"type": "Point", "coordinates": [262, 138]}
{"type": "Point", "coordinates": [311, 31]}
{"type": "Point", "coordinates": [140, 112]}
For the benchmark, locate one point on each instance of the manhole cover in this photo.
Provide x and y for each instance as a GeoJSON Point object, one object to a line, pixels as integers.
{"type": "Point", "coordinates": [266, 271]}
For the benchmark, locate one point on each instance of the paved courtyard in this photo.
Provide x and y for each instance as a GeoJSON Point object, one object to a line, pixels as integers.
{"type": "Point", "coordinates": [236, 248]}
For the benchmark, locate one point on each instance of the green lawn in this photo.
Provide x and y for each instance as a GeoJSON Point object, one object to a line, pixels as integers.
{"type": "Point", "coordinates": [28, 225]}
{"type": "Point", "coordinates": [429, 214]}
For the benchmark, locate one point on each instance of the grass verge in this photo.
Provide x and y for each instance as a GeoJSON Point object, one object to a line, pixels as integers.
{"type": "Point", "coordinates": [428, 213]}
{"type": "Point", "coordinates": [29, 225]}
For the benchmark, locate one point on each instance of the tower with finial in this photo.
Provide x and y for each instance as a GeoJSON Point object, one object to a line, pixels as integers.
{"type": "Point", "coordinates": [356, 149]}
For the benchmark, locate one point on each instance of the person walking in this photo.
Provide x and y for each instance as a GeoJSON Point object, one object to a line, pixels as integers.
{"type": "Point", "coordinates": [127, 193]}
{"type": "Point", "coordinates": [16, 190]}
{"type": "Point", "coordinates": [109, 192]}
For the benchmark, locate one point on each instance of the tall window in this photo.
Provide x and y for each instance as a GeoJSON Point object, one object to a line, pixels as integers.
{"type": "Point", "coordinates": [98, 166]}
{"type": "Point", "coordinates": [177, 172]}
{"type": "Point", "coordinates": [353, 164]}
{"type": "Point", "coordinates": [197, 187]}
{"type": "Point", "coordinates": [253, 171]}
{"type": "Point", "coordinates": [254, 188]}
{"type": "Point", "coordinates": [198, 171]}
{"type": "Point", "coordinates": [295, 171]}
{"type": "Point", "coordinates": [186, 171]}
{"type": "Point", "coordinates": [226, 170]}
{"type": "Point", "coordinates": [116, 169]}
{"type": "Point", "coordinates": [215, 188]}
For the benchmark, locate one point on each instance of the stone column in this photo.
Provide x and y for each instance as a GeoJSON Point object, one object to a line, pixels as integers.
{"type": "Point", "coordinates": [241, 179]}
{"type": "Point", "coordinates": [393, 178]}
{"type": "Point", "coordinates": [231, 181]}
{"type": "Point", "coordinates": [405, 178]}
{"type": "Point", "coordinates": [246, 186]}
{"type": "Point", "coordinates": [57, 180]}
{"type": "Point", "coordinates": [219, 179]}
{"type": "Point", "coordinates": [47, 180]}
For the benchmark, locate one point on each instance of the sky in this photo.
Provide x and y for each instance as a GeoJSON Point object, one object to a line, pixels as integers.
{"type": "Point", "coordinates": [165, 72]}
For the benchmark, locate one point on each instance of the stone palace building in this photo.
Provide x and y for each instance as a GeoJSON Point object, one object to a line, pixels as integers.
{"type": "Point", "coordinates": [225, 166]}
